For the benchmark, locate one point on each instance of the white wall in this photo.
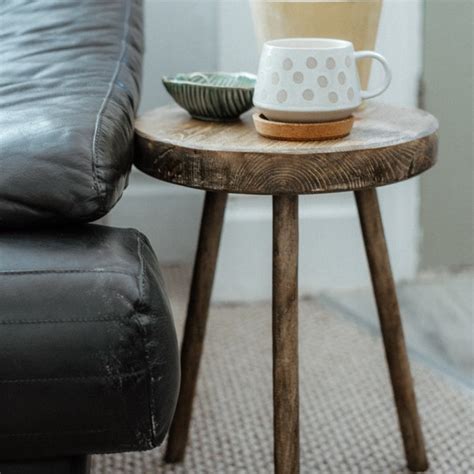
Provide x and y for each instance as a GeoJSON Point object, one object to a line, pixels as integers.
{"type": "Point", "coordinates": [447, 211]}
{"type": "Point", "coordinates": [331, 247]}
{"type": "Point", "coordinates": [179, 36]}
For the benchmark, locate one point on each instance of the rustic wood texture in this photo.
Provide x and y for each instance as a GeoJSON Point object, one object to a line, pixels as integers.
{"type": "Point", "coordinates": [285, 334]}
{"type": "Point", "coordinates": [196, 320]}
{"type": "Point", "coordinates": [302, 131]}
{"type": "Point", "coordinates": [387, 144]}
{"type": "Point", "coordinates": [392, 331]}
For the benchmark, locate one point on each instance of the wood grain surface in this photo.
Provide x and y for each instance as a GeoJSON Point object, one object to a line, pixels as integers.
{"type": "Point", "coordinates": [196, 321]}
{"type": "Point", "coordinates": [387, 144]}
{"type": "Point", "coordinates": [285, 335]}
{"type": "Point", "coordinates": [392, 330]}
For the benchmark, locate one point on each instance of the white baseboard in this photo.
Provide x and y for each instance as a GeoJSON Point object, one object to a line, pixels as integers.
{"type": "Point", "coordinates": [331, 248]}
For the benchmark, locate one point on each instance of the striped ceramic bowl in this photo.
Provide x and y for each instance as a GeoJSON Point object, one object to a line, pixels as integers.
{"type": "Point", "coordinates": [212, 95]}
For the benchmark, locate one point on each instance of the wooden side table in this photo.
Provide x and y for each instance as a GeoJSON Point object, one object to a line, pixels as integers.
{"type": "Point", "coordinates": [387, 145]}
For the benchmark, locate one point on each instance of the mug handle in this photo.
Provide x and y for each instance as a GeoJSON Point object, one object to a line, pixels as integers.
{"type": "Point", "coordinates": [386, 68]}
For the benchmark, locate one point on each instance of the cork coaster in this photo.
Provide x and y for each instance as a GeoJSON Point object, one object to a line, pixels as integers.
{"type": "Point", "coordinates": [302, 131]}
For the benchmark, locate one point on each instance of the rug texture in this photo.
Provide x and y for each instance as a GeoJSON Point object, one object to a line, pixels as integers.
{"type": "Point", "coordinates": [438, 316]}
{"type": "Point", "coordinates": [348, 419]}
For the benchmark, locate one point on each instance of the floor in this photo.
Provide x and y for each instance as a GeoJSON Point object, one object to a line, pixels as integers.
{"type": "Point", "coordinates": [348, 419]}
{"type": "Point", "coordinates": [438, 319]}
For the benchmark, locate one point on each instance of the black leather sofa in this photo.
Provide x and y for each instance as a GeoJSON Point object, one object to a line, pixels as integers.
{"type": "Point", "coordinates": [88, 352]}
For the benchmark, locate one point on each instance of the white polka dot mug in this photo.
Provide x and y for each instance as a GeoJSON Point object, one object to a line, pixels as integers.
{"type": "Point", "coordinates": [312, 80]}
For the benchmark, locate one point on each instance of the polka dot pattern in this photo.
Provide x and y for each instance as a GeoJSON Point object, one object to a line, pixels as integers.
{"type": "Point", "coordinates": [287, 64]}
{"type": "Point", "coordinates": [323, 81]}
{"type": "Point", "coordinates": [298, 77]}
{"type": "Point", "coordinates": [320, 79]}
{"type": "Point", "coordinates": [311, 63]}
{"type": "Point", "coordinates": [282, 96]}
{"type": "Point", "coordinates": [330, 63]}
{"type": "Point", "coordinates": [308, 94]}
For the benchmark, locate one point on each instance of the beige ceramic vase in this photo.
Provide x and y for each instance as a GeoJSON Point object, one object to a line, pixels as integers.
{"type": "Point", "coordinates": [354, 20]}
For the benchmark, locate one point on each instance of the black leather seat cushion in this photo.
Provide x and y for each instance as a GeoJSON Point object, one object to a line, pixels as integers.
{"type": "Point", "coordinates": [69, 89]}
{"type": "Point", "coordinates": [88, 352]}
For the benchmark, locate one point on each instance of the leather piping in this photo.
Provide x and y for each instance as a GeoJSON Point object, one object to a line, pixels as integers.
{"type": "Point", "coordinates": [98, 124]}
{"type": "Point", "coordinates": [63, 321]}
{"type": "Point", "coordinates": [140, 307]}
{"type": "Point", "coordinates": [73, 270]}
{"type": "Point", "coordinates": [78, 377]}
{"type": "Point", "coordinates": [55, 434]}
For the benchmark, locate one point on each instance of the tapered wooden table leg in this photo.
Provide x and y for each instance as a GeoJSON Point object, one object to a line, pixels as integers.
{"type": "Point", "coordinates": [285, 334]}
{"type": "Point", "coordinates": [195, 328]}
{"type": "Point", "coordinates": [392, 331]}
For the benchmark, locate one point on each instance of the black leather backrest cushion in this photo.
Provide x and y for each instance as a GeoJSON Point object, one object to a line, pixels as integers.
{"type": "Point", "coordinates": [69, 88]}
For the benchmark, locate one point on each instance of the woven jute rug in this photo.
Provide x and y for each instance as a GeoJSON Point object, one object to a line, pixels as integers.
{"type": "Point", "coordinates": [348, 420]}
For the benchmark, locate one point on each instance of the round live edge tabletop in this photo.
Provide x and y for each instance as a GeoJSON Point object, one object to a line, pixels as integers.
{"type": "Point", "coordinates": [387, 144]}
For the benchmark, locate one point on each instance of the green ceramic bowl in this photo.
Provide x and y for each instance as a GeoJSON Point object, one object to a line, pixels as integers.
{"type": "Point", "coordinates": [212, 95]}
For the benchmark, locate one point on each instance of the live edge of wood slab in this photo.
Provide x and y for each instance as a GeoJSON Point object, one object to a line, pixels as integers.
{"type": "Point", "coordinates": [387, 144]}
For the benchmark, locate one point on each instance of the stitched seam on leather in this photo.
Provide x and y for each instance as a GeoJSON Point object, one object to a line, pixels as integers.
{"type": "Point", "coordinates": [79, 377]}
{"type": "Point", "coordinates": [141, 271]}
{"type": "Point", "coordinates": [98, 123]}
{"type": "Point", "coordinates": [141, 306]}
{"type": "Point", "coordinates": [63, 321]}
{"type": "Point", "coordinates": [124, 320]}
{"type": "Point", "coordinates": [150, 381]}
{"type": "Point", "coordinates": [12, 435]}
{"type": "Point", "coordinates": [46, 272]}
